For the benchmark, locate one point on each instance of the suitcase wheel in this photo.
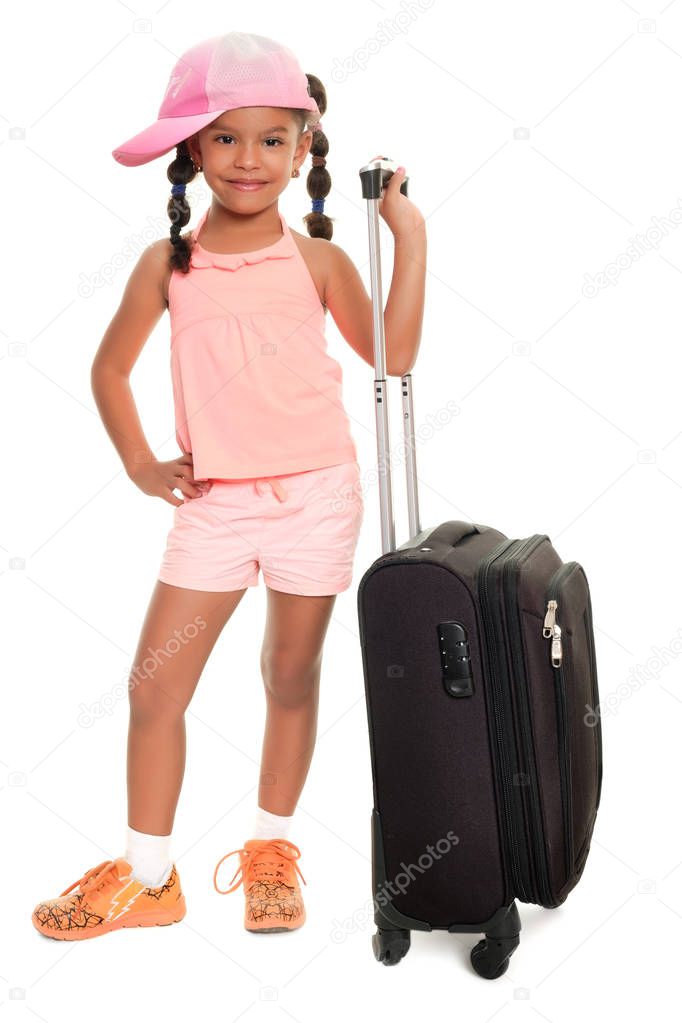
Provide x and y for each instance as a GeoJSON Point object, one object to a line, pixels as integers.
{"type": "Point", "coordinates": [390, 946]}
{"type": "Point", "coordinates": [490, 957]}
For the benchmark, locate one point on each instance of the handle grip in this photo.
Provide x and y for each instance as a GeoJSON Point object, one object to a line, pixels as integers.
{"type": "Point", "coordinates": [375, 176]}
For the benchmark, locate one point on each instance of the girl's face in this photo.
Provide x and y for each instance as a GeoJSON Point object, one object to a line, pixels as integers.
{"type": "Point", "coordinates": [250, 144]}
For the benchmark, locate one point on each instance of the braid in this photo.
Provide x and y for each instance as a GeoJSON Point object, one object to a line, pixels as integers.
{"type": "Point", "coordinates": [319, 181]}
{"type": "Point", "coordinates": [180, 172]}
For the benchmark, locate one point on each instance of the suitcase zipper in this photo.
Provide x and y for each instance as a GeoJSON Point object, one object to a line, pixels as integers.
{"type": "Point", "coordinates": [500, 758]}
{"type": "Point", "coordinates": [538, 879]}
{"type": "Point", "coordinates": [552, 630]}
{"type": "Point", "coordinates": [564, 766]}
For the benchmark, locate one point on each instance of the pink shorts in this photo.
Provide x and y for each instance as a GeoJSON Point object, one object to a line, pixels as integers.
{"type": "Point", "coordinates": [301, 528]}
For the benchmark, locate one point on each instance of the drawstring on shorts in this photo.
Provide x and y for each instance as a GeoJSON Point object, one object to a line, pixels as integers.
{"type": "Point", "coordinates": [274, 484]}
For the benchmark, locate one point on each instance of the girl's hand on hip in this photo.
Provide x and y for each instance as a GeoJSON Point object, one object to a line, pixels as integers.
{"type": "Point", "coordinates": [159, 479]}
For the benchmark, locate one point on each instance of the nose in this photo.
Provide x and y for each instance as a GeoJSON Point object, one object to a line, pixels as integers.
{"type": "Point", "coordinates": [247, 156]}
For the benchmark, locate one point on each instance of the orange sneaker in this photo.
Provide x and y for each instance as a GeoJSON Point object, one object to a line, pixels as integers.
{"type": "Point", "coordinates": [108, 898]}
{"type": "Point", "coordinates": [268, 871]}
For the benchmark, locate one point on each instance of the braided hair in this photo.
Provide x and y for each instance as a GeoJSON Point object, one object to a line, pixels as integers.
{"type": "Point", "coordinates": [180, 172]}
{"type": "Point", "coordinates": [318, 183]}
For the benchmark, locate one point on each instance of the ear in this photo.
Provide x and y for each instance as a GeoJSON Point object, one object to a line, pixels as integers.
{"type": "Point", "coordinates": [304, 144]}
{"type": "Point", "coordinates": [193, 149]}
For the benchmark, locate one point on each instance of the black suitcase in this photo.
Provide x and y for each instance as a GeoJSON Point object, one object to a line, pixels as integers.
{"type": "Point", "coordinates": [482, 705]}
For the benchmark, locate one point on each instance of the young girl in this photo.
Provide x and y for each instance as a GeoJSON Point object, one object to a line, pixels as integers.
{"type": "Point", "coordinates": [269, 472]}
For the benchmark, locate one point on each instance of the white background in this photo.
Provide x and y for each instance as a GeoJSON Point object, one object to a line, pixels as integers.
{"type": "Point", "coordinates": [540, 138]}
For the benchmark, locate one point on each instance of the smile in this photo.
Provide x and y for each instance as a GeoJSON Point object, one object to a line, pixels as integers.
{"type": "Point", "coordinates": [247, 186]}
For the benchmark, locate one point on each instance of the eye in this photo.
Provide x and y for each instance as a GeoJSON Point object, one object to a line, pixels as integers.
{"type": "Point", "coordinates": [280, 142]}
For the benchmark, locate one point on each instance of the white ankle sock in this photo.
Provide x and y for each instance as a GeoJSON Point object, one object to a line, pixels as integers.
{"type": "Point", "coordinates": [270, 825]}
{"type": "Point", "coordinates": [149, 856]}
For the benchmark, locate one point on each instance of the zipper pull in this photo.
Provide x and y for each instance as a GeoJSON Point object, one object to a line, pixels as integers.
{"type": "Point", "coordinates": [557, 652]}
{"type": "Point", "coordinates": [550, 618]}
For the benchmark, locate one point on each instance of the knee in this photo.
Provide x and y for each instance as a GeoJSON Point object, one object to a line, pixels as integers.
{"type": "Point", "coordinates": [287, 680]}
{"type": "Point", "coordinates": [150, 704]}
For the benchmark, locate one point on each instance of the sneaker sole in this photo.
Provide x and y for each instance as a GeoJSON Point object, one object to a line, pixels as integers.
{"type": "Point", "coordinates": [274, 930]}
{"type": "Point", "coordinates": [269, 930]}
{"type": "Point", "coordinates": [144, 920]}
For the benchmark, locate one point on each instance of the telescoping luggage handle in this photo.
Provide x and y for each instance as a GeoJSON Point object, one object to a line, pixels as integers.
{"type": "Point", "coordinates": [374, 177]}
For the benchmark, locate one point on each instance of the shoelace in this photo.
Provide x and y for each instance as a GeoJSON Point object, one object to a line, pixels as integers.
{"type": "Point", "coordinates": [269, 851]}
{"type": "Point", "coordinates": [93, 878]}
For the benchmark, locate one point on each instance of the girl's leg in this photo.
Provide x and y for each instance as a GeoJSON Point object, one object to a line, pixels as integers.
{"type": "Point", "coordinates": [178, 634]}
{"type": "Point", "coordinates": [291, 659]}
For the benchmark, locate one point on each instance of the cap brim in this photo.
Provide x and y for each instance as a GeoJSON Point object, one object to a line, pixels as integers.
{"type": "Point", "coordinates": [160, 138]}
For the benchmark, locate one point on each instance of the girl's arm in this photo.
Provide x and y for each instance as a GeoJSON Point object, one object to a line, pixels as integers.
{"type": "Point", "coordinates": [351, 306]}
{"type": "Point", "coordinates": [141, 307]}
{"type": "Point", "coordinates": [140, 310]}
{"type": "Point", "coordinates": [404, 312]}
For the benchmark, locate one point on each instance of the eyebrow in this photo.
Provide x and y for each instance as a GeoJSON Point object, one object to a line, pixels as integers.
{"type": "Point", "coordinates": [227, 127]}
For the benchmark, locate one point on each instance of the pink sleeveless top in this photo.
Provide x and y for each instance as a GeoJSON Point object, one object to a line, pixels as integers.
{"type": "Point", "coordinates": [256, 392]}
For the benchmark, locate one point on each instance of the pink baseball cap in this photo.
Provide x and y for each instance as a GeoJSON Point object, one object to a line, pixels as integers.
{"type": "Point", "coordinates": [222, 73]}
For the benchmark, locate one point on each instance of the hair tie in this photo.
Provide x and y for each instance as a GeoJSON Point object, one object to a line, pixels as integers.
{"type": "Point", "coordinates": [318, 205]}
{"type": "Point", "coordinates": [317, 127]}
{"type": "Point", "coordinates": [178, 189]}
